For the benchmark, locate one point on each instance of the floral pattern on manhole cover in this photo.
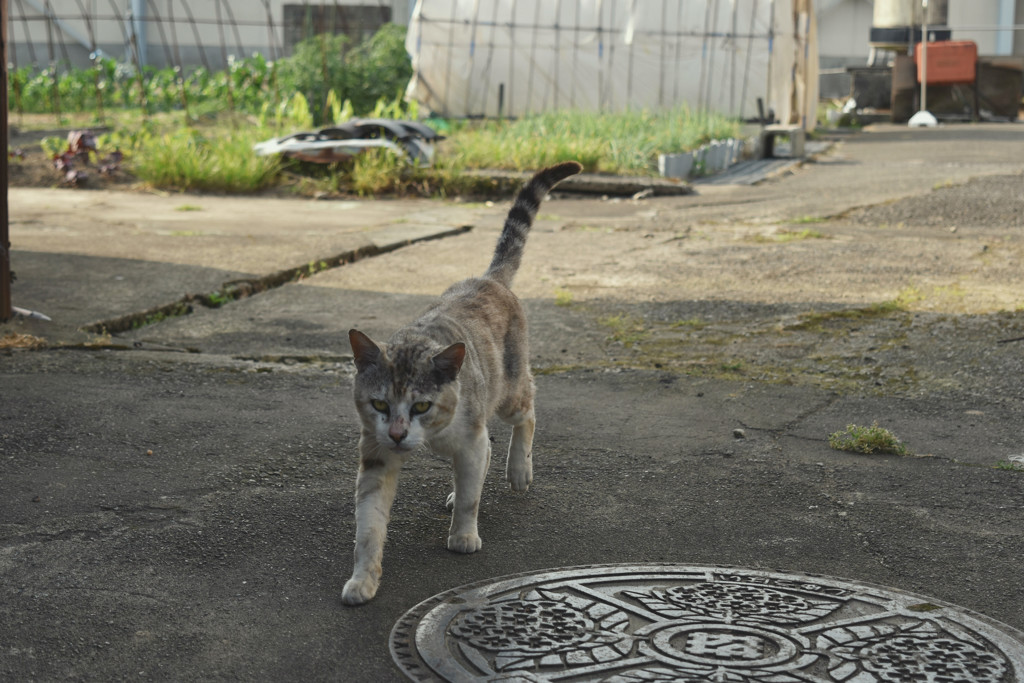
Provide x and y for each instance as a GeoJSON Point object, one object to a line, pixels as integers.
{"type": "Point", "coordinates": [637, 623]}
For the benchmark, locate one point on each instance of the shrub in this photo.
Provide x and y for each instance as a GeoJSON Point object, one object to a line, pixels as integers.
{"type": "Point", "coordinates": [377, 68]}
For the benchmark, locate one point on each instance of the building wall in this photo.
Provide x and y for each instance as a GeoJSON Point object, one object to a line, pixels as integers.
{"type": "Point", "coordinates": [843, 30]}
{"type": "Point", "coordinates": [844, 25]}
{"type": "Point", "coordinates": [191, 32]}
{"type": "Point", "coordinates": [1018, 36]}
{"type": "Point", "coordinates": [975, 13]}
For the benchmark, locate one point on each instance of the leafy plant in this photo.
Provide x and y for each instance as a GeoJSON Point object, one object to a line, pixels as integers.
{"type": "Point", "coordinates": [70, 158]}
{"type": "Point", "coordinates": [362, 74]}
{"type": "Point", "coordinates": [295, 112]}
{"type": "Point", "coordinates": [376, 69]}
{"type": "Point", "coordinates": [873, 439]}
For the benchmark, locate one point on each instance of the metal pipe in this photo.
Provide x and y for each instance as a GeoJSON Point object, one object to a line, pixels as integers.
{"type": "Point", "coordinates": [1004, 39]}
{"type": "Point", "coordinates": [138, 19]}
{"type": "Point", "coordinates": [5, 241]}
{"type": "Point", "coordinates": [991, 27]}
{"type": "Point", "coordinates": [924, 57]}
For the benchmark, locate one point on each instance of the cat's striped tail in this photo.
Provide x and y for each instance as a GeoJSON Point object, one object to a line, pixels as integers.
{"type": "Point", "coordinates": [509, 251]}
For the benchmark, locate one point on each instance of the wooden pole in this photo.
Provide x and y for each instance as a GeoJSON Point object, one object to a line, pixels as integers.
{"type": "Point", "coordinates": [5, 242]}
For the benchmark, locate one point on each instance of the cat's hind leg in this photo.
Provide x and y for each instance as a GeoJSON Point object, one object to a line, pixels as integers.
{"type": "Point", "coordinates": [450, 501]}
{"type": "Point", "coordinates": [470, 463]}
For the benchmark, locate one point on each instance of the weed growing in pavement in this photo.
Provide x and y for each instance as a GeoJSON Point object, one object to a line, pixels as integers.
{"type": "Point", "coordinates": [315, 267]}
{"type": "Point", "coordinates": [216, 299]}
{"type": "Point", "coordinates": [15, 340]}
{"type": "Point", "coordinates": [159, 315]}
{"type": "Point", "coordinates": [900, 304]}
{"type": "Point", "coordinates": [791, 236]}
{"type": "Point", "coordinates": [625, 329]}
{"type": "Point", "coordinates": [1009, 465]}
{"type": "Point", "coordinates": [873, 439]}
{"type": "Point", "coordinates": [563, 297]}
{"type": "Point", "coordinates": [795, 235]}
{"type": "Point", "coordinates": [689, 323]}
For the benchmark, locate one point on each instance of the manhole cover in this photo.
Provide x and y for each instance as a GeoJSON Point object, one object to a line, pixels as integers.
{"type": "Point", "coordinates": [634, 623]}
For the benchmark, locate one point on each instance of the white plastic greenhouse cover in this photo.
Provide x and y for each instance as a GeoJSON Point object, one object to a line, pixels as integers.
{"type": "Point", "coordinates": [515, 57]}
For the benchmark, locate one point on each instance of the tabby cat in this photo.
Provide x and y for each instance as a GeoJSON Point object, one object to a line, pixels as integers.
{"type": "Point", "coordinates": [436, 382]}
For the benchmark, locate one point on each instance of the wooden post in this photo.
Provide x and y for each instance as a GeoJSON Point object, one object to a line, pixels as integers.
{"type": "Point", "coordinates": [5, 242]}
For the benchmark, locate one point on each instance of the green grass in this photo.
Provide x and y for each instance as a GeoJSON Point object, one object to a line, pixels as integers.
{"type": "Point", "coordinates": [873, 439]}
{"type": "Point", "coordinates": [174, 151]}
{"type": "Point", "coordinates": [626, 143]}
{"type": "Point", "coordinates": [197, 160]}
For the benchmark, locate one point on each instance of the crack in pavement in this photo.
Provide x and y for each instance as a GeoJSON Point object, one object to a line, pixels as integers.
{"type": "Point", "coordinates": [233, 290]}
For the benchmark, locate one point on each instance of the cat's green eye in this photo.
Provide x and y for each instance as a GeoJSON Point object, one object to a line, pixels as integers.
{"type": "Point", "coordinates": [420, 407]}
{"type": "Point", "coordinates": [380, 406]}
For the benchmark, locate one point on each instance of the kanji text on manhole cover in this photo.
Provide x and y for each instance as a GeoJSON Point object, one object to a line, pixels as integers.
{"type": "Point", "coordinates": [634, 623]}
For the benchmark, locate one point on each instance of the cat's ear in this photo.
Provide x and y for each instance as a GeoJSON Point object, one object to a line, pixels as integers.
{"type": "Point", "coordinates": [447, 363]}
{"type": "Point", "coordinates": [365, 351]}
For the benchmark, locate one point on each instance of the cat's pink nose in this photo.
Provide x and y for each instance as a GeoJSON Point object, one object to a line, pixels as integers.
{"type": "Point", "coordinates": [397, 436]}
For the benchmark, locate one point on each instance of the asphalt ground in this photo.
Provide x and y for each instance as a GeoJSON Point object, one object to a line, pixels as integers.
{"type": "Point", "coordinates": [176, 499]}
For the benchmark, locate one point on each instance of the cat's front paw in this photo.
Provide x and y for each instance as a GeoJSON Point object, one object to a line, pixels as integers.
{"type": "Point", "coordinates": [358, 591]}
{"type": "Point", "coordinates": [519, 478]}
{"type": "Point", "coordinates": [464, 543]}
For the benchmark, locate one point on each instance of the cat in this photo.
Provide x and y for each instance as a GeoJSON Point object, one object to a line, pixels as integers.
{"type": "Point", "coordinates": [436, 382]}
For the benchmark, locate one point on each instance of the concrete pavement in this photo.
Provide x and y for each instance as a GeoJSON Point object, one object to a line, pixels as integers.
{"type": "Point", "coordinates": [176, 500]}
